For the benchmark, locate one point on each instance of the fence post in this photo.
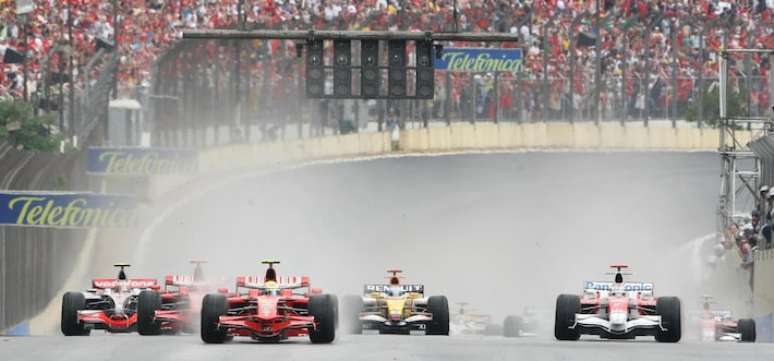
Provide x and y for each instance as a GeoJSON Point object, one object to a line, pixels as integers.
{"type": "Point", "coordinates": [748, 75]}
{"type": "Point", "coordinates": [700, 73]}
{"type": "Point", "coordinates": [645, 79]}
{"type": "Point", "coordinates": [447, 103]}
{"type": "Point", "coordinates": [545, 71]}
{"type": "Point", "coordinates": [474, 99]}
{"type": "Point", "coordinates": [673, 36]}
{"type": "Point", "coordinates": [624, 100]}
{"type": "Point", "coordinates": [496, 97]}
{"type": "Point", "coordinates": [597, 63]}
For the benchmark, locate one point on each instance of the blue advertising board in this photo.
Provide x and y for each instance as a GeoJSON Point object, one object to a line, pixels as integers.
{"type": "Point", "coordinates": [476, 60]}
{"type": "Point", "coordinates": [141, 161]}
{"type": "Point", "coordinates": [67, 210]}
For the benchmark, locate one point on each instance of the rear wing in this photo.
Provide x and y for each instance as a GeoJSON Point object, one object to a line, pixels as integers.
{"type": "Point", "coordinates": [256, 282]}
{"type": "Point", "coordinates": [604, 287]}
{"type": "Point", "coordinates": [180, 281]}
{"type": "Point", "coordinates": [383, 288]}
{"type": "Point", "coordinates": [104, 283]}
{"type": "Point", "coordinates": [721, 313]}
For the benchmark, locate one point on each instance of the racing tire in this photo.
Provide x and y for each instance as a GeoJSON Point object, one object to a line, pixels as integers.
{"type": "Point", "coordinates": [352, 307]}
{"type": "Point", "coordinates": [438, 306]}
{"type": "Point", "coordinates": [335, 310]}
{"type": "Point", "coordinates": [147, 304]}
{"type": "Point", "coordinates": [746, 328]}
{"type": "Point", "coordinates": [323, 308]}
{"type": "Point", "coordinates": [669, 310]}
{"type": "Point", "coordinates": [213, 306]}
{"type": "Point", "coordinates": [72, 302]}
{"type": "Point", "coordinates": [566, 308]}
{"type": "Point", "coordinates": [512, 326]}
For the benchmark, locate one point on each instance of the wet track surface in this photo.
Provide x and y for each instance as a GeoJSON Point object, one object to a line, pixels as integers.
{"type": "Point", "coordinates": [500, 231]}
{"type": "Point", "coordinates": [374, 348]}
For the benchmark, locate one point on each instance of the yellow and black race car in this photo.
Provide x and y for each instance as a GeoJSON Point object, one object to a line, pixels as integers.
{"type": "Point", "coordinates": [397, 308]}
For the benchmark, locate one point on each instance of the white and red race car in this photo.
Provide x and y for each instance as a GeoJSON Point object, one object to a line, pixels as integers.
{"type": "Point", "coordinates": [718, 325]}
{"type": "Point", "coordinates": [617, 310]}
{"type": "Point", "coordinates": [110, 305]}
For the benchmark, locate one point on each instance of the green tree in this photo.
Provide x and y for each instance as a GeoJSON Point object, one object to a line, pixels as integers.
{"type": "Point", "coordinates": [20, 127]}
{"type": "Point", "coordinates": [737, 105]}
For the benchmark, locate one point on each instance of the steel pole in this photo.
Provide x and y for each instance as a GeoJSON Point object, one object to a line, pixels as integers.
{"type": "Point", "coordinates": [624, 101]}
{"type": "Point", "coordinates": [545, 71]}
{"type": "Point", "coordinates": [116, 46]}
{"type": "Point", "coordinates": [71, 95]}
{"type": "Point", "coordinates": [700, 74]}
{"type": "Point", "coordinates": [61, 92]}
{"type": "Point", "coordinates": [598, 63]}
{"type": "Point", "coordinates": [673, 36]}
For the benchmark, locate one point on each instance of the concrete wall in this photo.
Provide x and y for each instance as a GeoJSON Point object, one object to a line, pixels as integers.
{"type": "Point", "coordinates": [763, 282]}
{"type": "Point", "coordinates": [464, 137]}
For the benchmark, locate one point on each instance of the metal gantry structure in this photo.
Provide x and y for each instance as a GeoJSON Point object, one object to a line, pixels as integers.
{"type": "Point", "coordinates": [740, 166]}
{"type": "Point", "coordinates": [370, 47]}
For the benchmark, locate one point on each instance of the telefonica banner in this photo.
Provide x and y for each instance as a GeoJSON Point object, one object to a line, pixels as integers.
{"type": "Point", "coordinates": [67, 210]}
{"type": "Point", "coordinates": [476, 60]}
{"type": "Point", "coordinates": [141, 161]}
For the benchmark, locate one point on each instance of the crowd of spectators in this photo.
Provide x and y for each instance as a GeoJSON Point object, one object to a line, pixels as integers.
{"type": "Point", "coordinates": [636, 69]}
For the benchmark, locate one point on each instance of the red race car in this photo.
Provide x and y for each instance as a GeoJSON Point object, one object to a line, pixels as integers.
{"type": "Point", "coordinates": [272, 309]}
{"type": "Point", "coordinates": [111, 305]}
{"type": "Point", "coordinates": [174, 309]}
{"type": "Point", "coordinates": [718, 325]}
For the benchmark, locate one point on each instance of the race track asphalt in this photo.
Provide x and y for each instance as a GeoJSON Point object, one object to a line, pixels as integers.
{"type": "Point", "coordinates": [372, 348]}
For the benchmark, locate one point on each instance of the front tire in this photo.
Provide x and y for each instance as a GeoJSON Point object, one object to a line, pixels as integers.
{"type": "Point", "coordinates": [566, 308]}
{"type": "Point", "coordinates": [323, 308]}
{"type": "Point", "coordinates": [147, 304]}
{"type": "Point", "coordinates": [213, 306]}
{"type": "Point", "coordinates": [669, 309]}
{"type": "Point", "coordinates": [746, 327]}
{"type": "Point", "coordinates": [512, 326]}
{"type": "Point", "coordinates": [72, 302]}
{"type": "Point", "coordinates": [438, 306]}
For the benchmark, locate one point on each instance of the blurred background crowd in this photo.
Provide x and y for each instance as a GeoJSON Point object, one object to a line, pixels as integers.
{"type": "Point", "coordinates": [648, 58]}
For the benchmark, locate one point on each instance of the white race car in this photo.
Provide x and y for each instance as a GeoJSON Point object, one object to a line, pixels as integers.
{"type": "Point", "coordinates": [617, 310]}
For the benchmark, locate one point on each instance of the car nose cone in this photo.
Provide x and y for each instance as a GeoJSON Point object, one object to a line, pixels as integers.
{"type": "Point", "coordinates": [618, 321]}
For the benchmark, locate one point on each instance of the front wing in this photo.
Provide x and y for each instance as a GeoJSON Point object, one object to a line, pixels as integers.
{"type": "Point", "coordinates": [645, 325]}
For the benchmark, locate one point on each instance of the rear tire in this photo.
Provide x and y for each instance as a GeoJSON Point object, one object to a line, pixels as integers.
{"type": "Point", "coordinates": [213, 306]}
{"type": "Point", "coordinates": [566, 308]}
{"type": "Point", "coordinates": [746, 327]}
{"type": "Point", "coordinates": [669, 310]}
{"type": "Point", "coordinates": [147, 304]}
{"type": "Point", "coordinates": [438, 306]}
{"type": "Point", "coordinates": [512, 326]}
{"type": "Point", "coordinates": [323, 308]}
{"type": "Point", "coordinates": [72, 302]}
{"type": "Point", "coordinates": [352, 307]}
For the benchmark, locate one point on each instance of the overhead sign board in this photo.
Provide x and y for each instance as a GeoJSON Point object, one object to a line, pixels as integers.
{"type": "Point", "coordinates": [480, 60]}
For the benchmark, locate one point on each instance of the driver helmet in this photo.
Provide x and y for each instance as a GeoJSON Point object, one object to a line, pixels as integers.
{"type": "Point", "coordinates": [272, 288]}
{"type": "Point", "coordinates": [394, 291]}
